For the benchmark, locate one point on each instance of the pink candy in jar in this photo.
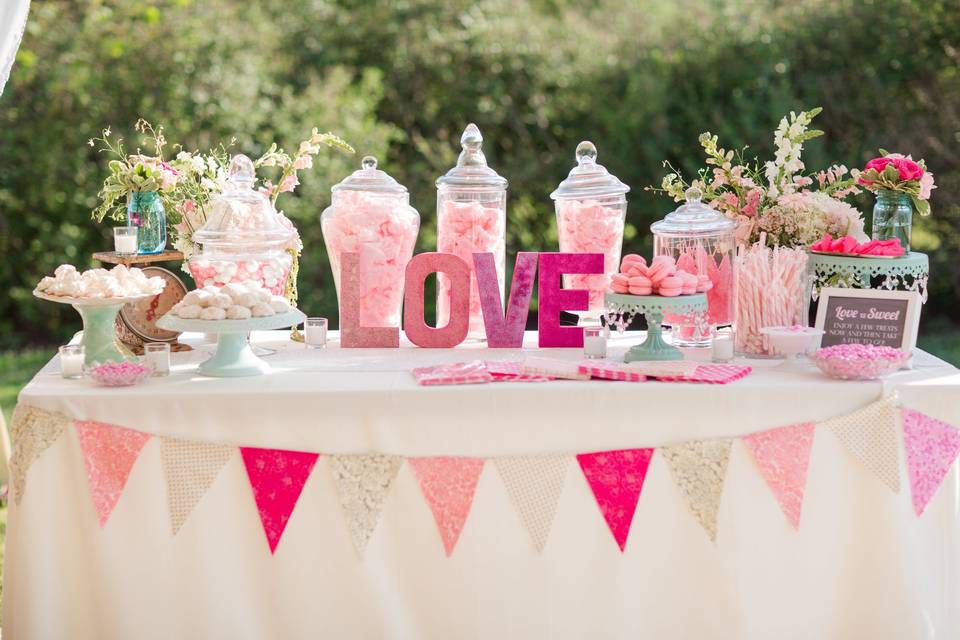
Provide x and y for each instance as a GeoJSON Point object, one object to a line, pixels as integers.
{"type": "Point", "coordinates": [471, 218]}
{"type": "Point", "coordinates": [244, 237]}
{"type": "Point", "coordinates": [371, 215]}
{"type": "Point", "coordinates": [591, 206]}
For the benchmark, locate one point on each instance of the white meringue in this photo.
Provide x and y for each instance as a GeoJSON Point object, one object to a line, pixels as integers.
{"type": "Point", "coordinates": [221, 300]}
{"type": "Point", "coordinates": [236, 312]}
{"type": "Point", "coordinates": [189, 311]}
{"type": "Point", "coordinates": [261, 310]}
{"type": "Point", "coordinates": [213, 313]}
{"type": "Point", "coordinates": [279, 304]}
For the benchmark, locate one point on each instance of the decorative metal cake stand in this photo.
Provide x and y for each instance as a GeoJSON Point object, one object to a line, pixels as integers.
{"type": "Point", "coordinates": [233, 358]}
{"type": "Point", "coordinates": [909, 272]}
{"type": "Point", "coordinates": [621, 306]}
{"type": "Point", "coordinates": [99, 316]}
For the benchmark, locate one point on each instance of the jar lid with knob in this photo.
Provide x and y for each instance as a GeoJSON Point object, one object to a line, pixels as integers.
{"type": "Point", "coordinates": [471, 170]}
{"type": "Point", "coordinates": [693, 218]}
{"type": "Point", "coordinates": [588, 179]}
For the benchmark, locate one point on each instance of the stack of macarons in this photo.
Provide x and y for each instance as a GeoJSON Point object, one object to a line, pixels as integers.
{"type": "Point", "coordinates": [660, 278]}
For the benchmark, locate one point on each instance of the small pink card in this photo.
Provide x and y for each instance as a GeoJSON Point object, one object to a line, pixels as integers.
{"type": "Point", "coordinates": [474, 372]}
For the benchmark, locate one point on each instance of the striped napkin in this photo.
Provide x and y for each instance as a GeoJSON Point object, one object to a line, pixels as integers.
{"type": "Point", "coordinates": [511, 372]}
{"type": "Point", "coordinates": [553, 368]}
{"type": "Point", "coordinates": [609, 370]}
{"type": "Point", "coordinates": [474, 372]}
{"type": "Point", "coordinates": [713, 373]}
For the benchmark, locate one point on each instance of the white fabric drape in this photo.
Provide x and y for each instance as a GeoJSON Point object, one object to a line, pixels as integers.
{"type": "Point", "coordinates": [13, 18]}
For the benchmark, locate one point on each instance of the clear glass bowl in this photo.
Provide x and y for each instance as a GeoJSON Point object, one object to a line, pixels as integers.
{"type": "Point", "coordinates": [848, 367]}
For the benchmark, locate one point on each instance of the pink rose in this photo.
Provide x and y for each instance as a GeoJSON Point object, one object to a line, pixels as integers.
{"type": "Point", "coordinates": [908, 169]}
{"type": "Point", "coordinates": [879, 164]}
{"type": "Point", "coordinates": [926, 185]}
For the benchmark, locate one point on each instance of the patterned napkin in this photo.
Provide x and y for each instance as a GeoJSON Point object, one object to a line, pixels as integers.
{"type": "Point", "coordinates": [474, 372]}
{"type": "Point", "coordinates": [553, 368]}
{"type": "Point", "coordinates": [512, 372]}
{"type": "Point", "coordinates": [712, 373]}
{"type": "Point", "coordinates": [608, 370]}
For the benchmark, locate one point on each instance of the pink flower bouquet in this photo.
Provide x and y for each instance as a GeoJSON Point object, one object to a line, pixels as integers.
{"type": "Point", "coordinates": [897, 172]}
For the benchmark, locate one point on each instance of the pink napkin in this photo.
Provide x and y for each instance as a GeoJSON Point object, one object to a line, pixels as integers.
{"type": "Point", "coordinates": [511, 372]}
{"type": "Point", "coordinates": [607, 370]}
{"type": "Point", "coordinates": [474, 372]}
{"type": "Point", "coordinates": [711, 374]}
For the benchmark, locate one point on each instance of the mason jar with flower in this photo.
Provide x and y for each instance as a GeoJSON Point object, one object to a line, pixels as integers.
{"type": "Point", "coordinates": [901, 185]}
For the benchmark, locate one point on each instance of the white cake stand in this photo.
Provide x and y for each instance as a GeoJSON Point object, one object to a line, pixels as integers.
{"type": "Point", "coordinates": [233, 358]}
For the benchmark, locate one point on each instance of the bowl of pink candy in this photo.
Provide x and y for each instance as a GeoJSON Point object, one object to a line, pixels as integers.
{"type": "Point", "coordinates": [125, 373]}
{"type": "Point", "coordinates": [859, 361]}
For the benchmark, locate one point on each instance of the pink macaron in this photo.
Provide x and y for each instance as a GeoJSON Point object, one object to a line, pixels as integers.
{"type": "Point", "coordinates": [632, 258]}
{"type": "Point", "coordinates": [689, 282]}
{"type": "Point", "coordinates": [704, 284]}
{"type": "Point", "coordinates": [670, 286]}
{"type": "Point", "coordinates": [640, 286]}
{"type": "Point", "coordinates": [620, 283]}
{"type": "Point", "coordinates": [660, 269]}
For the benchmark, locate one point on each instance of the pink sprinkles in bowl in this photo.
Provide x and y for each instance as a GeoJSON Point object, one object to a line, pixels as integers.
{"type": "Point", "coordinates": [119, 374]}
{"type": "Point", "coordinates": [859, 361]}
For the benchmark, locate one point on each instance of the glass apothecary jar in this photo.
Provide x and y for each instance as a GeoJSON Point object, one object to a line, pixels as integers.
{"type": "Point", "coordinates": [702, 242]}
{"type": "Point", "coordinates": [471, 218]}
{"type": "Point", "coordinates": [370, 214]}
{"type": "Point", "coordinates": [243, 238]}
{"type": "Point", "coordinates": [591, 206]}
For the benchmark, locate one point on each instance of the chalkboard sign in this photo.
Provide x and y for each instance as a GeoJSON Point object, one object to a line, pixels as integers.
{"type": "Point", "coordinates": [869, 316]}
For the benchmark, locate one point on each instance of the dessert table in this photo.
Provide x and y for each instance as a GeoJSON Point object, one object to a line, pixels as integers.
{"type": "Point", "coordinates": [131, 563]}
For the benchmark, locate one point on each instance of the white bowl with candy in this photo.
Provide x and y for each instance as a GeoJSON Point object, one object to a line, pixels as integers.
{"type": "Point", "coordinates": [793, 341]}
{"type": "Point", "coordinates": [859, 361]}
{"type": "Point", "coordinates": [125, 373]}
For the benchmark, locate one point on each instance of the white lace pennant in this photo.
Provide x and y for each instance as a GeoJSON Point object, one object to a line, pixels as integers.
{"type": "Point", "coordinates": [32, 431]}
{"type": "Point", "coordinates": [534, 484]}
{"type": "Point", "coordinates": [189, 468]}
{"type": "Point", "coordinates": [363, 482]}
{"type": "Point", "coordinates": [870, 435]}
{"type": "Point", "coordinates": [698, 468]}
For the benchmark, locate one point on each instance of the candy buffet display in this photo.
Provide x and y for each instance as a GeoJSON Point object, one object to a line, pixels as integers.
{"type": "Point", "coordinates": [620, 308]}
{"type": "Point", "coordinates": [125, 373]}
{"type": "Point", "coordinates": [98, 295]}
{"type": "Point", "coordinates": [233, 356]}
{"type": "Point", "coordinates": [370, 214]}
{"type": "Point", "coordinates": [235, 301]}
{"type": "Point", "coordinates": [772, 292]}
{"type": "Point", "coordinates": [471, 218]}
{"type": "Point", "coordinates": [792, 342]}
{"type": "Point", "coordinates": [662, 278]}
{"type": "Point", "coordinates": [243, 237]}
{"type": "Point", "coordinates": [701, 241]}
{"type": "Point", "coordinates": [859, 361]}
{"type": "Point", "coordinates": [591, 207]}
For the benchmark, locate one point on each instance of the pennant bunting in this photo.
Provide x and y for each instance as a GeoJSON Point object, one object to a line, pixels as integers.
{"type": "Point", "coordinates": [276, 478]}
{"type": "Point", "coordinates": [189, 469]}
{"type": "Point", "coordinates": [448, 484]}
{"type": "Point", "coordinates": [32, 431]}
{"type": "Point", "coordinates": [932, 447]}
{"type": "Point", "coordinates": [783, 457]}
{"type": "Point", "coordinates": [616, 479]}
{"type": "Point", "coordinates": [870, 435]}
{"type": "Point", "coordinates": [109, 453]}
{"type": "Point", "coordinates": [698, 468]}
{"type": "Point", "coordinates": [363, 482]}
{"type": "Point", "coordinates": [534, 484]}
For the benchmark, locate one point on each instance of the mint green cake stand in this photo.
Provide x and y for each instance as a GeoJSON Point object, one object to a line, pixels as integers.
{"type": "Point", "coordinates": [233, 358]}
{"type": "Point", "coordinates": [621, 307]}
{"type": "Point", "coordinates": [99, 339]}
{"type": "Point", "coordinates": [909, 272]}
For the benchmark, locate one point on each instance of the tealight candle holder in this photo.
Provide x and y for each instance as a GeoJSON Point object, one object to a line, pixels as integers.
{"type": "Point", "coordinates": [71, 361]}
{"type": "Point", "coordinates": [722, 348]}
{"type": "Point", "coordinates": [594, 342]}
{"type": "Point", "coordinates": [125, 241]}
{"type": "Point", "coordinates": [315, 333]}
{"type": "Point", "coordinates": [157, 356]}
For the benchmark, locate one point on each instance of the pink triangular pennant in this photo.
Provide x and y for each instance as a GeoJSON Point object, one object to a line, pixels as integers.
{"type": "Point", "coordinates": [783, 456]}
{"type": "Point", "coordinates": [448, 484]}
{"type": "Point", "coordinates": [109, 452]}
{"type": "Point", "coordinates": [276, 478]}
{"type": "Point", "coordinates": [616, 479]}
{"type": "Point", "coordinates": [932, 447]}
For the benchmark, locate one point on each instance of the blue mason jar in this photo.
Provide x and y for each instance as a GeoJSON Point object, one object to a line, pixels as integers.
{"type": "Point", "coordinates": [145, 211]}
{"type": "Point", "coordinates": [893, 217]}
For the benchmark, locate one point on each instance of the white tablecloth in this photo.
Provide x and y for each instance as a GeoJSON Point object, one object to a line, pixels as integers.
{"type": "Point", "coordinates": [862, 564]}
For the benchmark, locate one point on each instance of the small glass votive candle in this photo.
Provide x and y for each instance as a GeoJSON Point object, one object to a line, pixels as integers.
{"type": "Point", "coordinates": [595, 342]}
{"type": "Point", "coordinates": [157, 356]}
{"type": "Point", "coordinates": [315, 333]}
{"type": "Point", "coordinates": [125, 241]}
{"type": "Point", "coordinates": [71, 361]}
{"type": "Point", "coordinates": [722, 348]}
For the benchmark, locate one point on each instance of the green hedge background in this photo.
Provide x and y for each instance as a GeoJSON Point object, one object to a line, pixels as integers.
{"type": "Point", "coordinates": [400, 79]}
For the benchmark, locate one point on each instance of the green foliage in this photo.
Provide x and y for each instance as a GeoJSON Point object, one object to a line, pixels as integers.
{"type": "Point", "coordinates": [400, 80]}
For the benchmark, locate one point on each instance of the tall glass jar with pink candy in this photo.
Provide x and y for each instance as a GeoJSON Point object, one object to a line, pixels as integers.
{"type": "Point", "coordinates": [471, 218]}
{"type": "Point", "coordinates": [243, 237]}
{"type": "Point", "coordinates": [591, 208]}
{"type": "Point", "coordinates": [702, 242]}
{"type": "Point", "coordinates": [370, 214]}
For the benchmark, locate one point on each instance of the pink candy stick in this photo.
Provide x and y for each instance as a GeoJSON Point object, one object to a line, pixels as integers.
{"type": "Point", "coordinates": [505, 330]}
{"type": "Point", "coordinates": [352, 334]}
{"type": "Point", "coordinates": [553, 299]}
{"type": "Point", "coordinates": [458, 274]}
